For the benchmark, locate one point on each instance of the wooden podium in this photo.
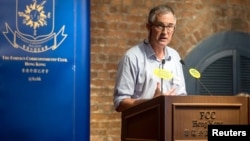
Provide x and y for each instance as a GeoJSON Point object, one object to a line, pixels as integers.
{"type": "Point", "coordinates": [182, 118]}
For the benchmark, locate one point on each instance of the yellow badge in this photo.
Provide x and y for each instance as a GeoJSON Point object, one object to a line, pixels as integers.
{"type": "Point", "coordinates": [195, 73]}
{"type": "Point", "coordinates": [163, 73]}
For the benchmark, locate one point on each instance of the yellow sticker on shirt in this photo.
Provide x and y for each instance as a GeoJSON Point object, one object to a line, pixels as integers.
{"type": "Point", "coordinates": [163, 73]}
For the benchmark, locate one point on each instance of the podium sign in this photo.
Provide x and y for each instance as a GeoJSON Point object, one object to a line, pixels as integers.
{"type": "Point", "coordinates": [44, 70]}
{"type": "Point", "coordinates": [182, 118]}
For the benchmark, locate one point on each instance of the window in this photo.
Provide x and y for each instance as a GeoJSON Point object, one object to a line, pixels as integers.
{"type": "Point", "coordinates": [224, 64]}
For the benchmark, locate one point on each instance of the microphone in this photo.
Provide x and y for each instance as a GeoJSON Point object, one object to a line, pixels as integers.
{"type": "Point", "coordinates": [195, 74]}
{"type": "Point", "coordinates": [162, 67]}
{"type": "Point", "coordinates": [169, 58]}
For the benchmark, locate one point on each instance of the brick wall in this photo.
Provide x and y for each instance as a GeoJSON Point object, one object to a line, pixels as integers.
{"type": "Point", "coordinates": [116, 25]}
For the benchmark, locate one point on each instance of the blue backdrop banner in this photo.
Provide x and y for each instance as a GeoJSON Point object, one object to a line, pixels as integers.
{"type": "Point", "coordinates": [44, 70]}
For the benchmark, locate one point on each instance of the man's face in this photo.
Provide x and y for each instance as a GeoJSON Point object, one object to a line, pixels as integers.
{"type": "Point", "coordinates": [162, 29]}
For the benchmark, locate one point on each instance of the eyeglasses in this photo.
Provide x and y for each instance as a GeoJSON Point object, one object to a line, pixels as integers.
{"type": "Point", "coordinates": [160, 27]}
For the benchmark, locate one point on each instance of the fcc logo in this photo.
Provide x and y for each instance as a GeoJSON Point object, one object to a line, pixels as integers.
{"type": "Point", "coordinates": [34, 31]}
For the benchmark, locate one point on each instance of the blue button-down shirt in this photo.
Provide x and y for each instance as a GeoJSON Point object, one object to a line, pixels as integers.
{"type": "Point", "coordinates": [136, 77]}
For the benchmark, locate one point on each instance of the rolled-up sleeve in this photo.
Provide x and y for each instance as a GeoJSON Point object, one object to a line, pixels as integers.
{"type": "Point", "coordinates": [125, 81]}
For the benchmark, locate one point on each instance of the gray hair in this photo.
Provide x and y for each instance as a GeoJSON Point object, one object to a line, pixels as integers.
{"type": "Point", "coordinates": [161, 9]}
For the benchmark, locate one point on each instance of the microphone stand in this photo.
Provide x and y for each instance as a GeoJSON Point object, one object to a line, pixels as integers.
{"type": "Point", "coordinates": [162, 67]}
{"type": "Point", "coordinates": [184, 64]}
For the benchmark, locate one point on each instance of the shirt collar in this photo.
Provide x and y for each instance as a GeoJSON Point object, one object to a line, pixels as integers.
{"type": "Point", "coordinates": [150, 52]}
